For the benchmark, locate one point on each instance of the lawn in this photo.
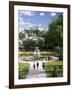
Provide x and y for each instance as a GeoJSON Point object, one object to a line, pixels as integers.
{"type": "Point", "coordinates": [23, 70]}
{"type": "Point", "coordinates": [54, 68]}
{"type": "Point", "coordinates": [26, 53]}
{"type": "Point", "coordinates": [43, 53]}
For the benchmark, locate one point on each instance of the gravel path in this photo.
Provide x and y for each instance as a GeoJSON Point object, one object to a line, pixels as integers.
{"type": "Point", "coordinates": [36, 73]}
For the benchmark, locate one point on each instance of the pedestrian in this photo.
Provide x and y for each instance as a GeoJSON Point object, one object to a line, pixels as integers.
{"type": "Point", "coordinates": [34, 66]}
{"type": "Point", "coordinates": [37, 65]}
{"type": "Point", "coordinates": [43, 65]}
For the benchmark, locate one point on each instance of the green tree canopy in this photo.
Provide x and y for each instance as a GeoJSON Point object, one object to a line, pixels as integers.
{"type": "Point", "coordinates": [21, 35]}
{"type": "Point", "coordinates": [54, 36]}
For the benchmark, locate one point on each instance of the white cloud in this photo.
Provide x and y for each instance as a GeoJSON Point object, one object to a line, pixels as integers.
{"type": "Point", "coordinates": [29, 19]}
{"type": "Point", "coordinates": [42, 14]}
{"type": "Point", "coordinates": [40, 25]}
{"type": "Point", "coordinates": [24, 24]}
{"type": "Point", "coordinates": [21, 19]}
{"type": "Point", "coordinates": [31, 25]}
{"type": "Point", "coordinates": [53, 14]}
{"type": "Point", "coordinates": [27, 13]}
{"type": "Point", "coordinates": [21, 23]}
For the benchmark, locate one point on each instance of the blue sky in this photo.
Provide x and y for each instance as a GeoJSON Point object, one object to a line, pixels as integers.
{"type": "Point", "coordinates": [31, 19]}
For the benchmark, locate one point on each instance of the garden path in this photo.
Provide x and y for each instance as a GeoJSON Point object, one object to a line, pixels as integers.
{"type": "Point", "coordinates": [36, 73]}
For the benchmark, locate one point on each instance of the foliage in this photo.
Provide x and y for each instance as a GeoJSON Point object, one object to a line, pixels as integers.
{"type": "Point", "coordinates": [54, 69]}
{"type": "Point", "coordinates": [54, 35]}
{"type": "Point", "coordinates": [23, 70]}
{"type": "Point", "coordinates": [29, 44]}
{"type": "Point", "coordinates": [21, 35]}
{"type": "Point", "coordinates": [36, 32]}
{"type": "Point", "coordinates": [41, 44]}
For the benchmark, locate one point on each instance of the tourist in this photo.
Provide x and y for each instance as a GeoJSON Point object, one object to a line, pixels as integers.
{"type": "Point", "coordinates": [37, 65]}
{"type": "Point", "coordinates": [34, 66]}
{"type": "Point", "coordinates": [43, 65]}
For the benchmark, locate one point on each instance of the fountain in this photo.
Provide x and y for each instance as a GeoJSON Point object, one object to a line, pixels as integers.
{"type": "Point", "coordinates": [37, 53]}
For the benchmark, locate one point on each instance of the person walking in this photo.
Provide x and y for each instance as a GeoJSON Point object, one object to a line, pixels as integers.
{"type": "Point", "coordinates": [43, 65]}
{"type": "Point", "coordinates": [37, 65]}
{"type": "Point", "coordinates": [33, 65]}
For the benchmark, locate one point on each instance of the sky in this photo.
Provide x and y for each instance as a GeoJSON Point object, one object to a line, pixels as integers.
{"type": "Point", "coordinates": [31, 19]}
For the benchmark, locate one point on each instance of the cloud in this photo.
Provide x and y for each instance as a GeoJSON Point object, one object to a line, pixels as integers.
{"type": "Point", "coordinates": [31, 25]}
{"type": "Point", "coordinates": [26, 13]}
{"type": "Point", "coordinates": [20, 19]}
{"type": "Point", "coordinates": [29, 19]}
{"type": "Point", "coordinates": [25, 24]}
{"type": "Point", "coordinates": [53, 14]}
{"type": "Point", "coordinates": [40, 25]}
{"type": "Point", "coordinates": [42, 14]}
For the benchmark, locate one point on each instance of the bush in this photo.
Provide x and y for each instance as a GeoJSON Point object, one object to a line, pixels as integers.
{"type": "Point", "coordinates": [23, 70]}
{"type": "Point", "coordinates": [54, 69]}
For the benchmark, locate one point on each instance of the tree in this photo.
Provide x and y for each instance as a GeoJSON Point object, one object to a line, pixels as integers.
{"type": "Point", "coordinates": [41, 44]}
{"type": "Point", "coordinates": [29, 44]}
{"type": "Point", "coordinates": [21, 35]}
{"type": "Point", "coordinates": [54, 36]}
{"type": "Point", "coordinates": [36, 32]}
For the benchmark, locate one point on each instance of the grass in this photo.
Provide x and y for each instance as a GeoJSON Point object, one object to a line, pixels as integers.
{"type": "Point", "coordinates": [30, 53]}
{"type": "Point", "coordinates": [45, 53]}
{"type": "Point", "coordinates": [26, 53]}
{"type": "Point", "coordinates": [23, 70]}
{"type": "Point", "coordinates": [54, 68]}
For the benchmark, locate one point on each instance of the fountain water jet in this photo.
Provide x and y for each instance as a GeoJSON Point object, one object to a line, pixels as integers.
{"type": "Point", "coordinates": [37, 52]}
